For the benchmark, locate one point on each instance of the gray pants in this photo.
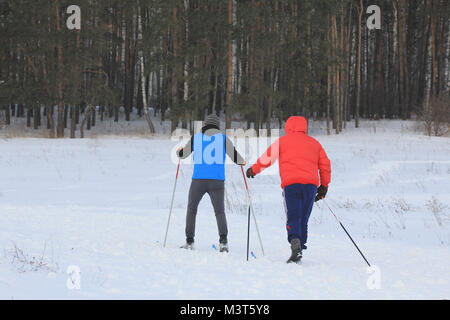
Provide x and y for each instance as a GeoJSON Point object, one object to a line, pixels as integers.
{"type": "Point", "coordinates": [216, 191]}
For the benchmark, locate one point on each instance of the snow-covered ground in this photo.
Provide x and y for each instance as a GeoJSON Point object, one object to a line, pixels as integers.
{"type": "Point", "coordinates": [100, 206]}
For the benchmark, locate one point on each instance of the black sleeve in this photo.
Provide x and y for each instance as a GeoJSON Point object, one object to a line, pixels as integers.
{"type": "Point", "coordinates": [232, 152]}
{"type": "Point", "coordinates": [187, 150]}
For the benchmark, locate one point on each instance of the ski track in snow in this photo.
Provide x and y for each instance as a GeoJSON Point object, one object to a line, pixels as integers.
{"type": "Point", "coordinates": [102, 205]}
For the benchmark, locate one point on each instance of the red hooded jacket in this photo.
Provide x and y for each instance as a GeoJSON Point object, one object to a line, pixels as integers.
{"type": "Point", "coordinates": [301, 157]}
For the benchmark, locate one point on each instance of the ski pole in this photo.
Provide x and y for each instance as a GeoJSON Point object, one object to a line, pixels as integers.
{"type": "Point", "coordinates": [171, 204]}
{"type": "Point", "coordinates": [347, 233]}
{"type": "Point", "coordinates": [248, 232]}
{"type": "Point", "coordinates": [253, 211]}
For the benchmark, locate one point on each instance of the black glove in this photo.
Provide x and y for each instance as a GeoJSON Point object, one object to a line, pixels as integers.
{"type": "Point", "coordinates": [321, 193]}
{"type": "Point", "coordinates": [250, 173]}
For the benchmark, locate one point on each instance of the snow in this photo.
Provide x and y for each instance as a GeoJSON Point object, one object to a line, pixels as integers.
{"type": "Point", "coordinates": [101, 205]}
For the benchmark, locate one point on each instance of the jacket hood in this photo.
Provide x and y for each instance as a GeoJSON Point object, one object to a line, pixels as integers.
{"type": "Point", "coordinates": [296, 124]}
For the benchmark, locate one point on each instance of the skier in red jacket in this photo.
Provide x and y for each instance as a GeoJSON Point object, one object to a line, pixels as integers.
{"type": "Point", "coordinates": [305, 174]}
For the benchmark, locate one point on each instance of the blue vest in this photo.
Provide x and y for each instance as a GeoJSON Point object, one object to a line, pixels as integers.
{"type": "Point", "coordinates": [209, 156]}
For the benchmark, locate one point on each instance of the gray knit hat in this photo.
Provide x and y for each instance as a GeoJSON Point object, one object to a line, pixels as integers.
{"type": "Point", "coordinates": [213, 120]}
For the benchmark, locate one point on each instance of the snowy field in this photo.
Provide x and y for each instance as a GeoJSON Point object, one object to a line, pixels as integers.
{"type": "Point", "coordinates": [100, 206]}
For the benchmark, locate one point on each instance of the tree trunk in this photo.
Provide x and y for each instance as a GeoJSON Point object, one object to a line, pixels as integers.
{"type": "Point", "coordinates": [230, 66]}
{"type": "Point", "coordinates": [141, 60]}
{"type": "Point", "coordinates": [50, 122]}
{"type": "Point", "coordinates": [434, 66]}
{"type": "Point", "coordinates": [37, 117]}
{"type": "Point", "coordinates": [66, 110]}
{"type": "Point", "coordinates": [8, 115]}
{"type": "Point", "coordinates": [328, 99]}
{"type": "Point", "coordinates": [29, 111]}
{"type": "Point", "coordinates": [128, 87]}
{"type": "Point", "coordinates": [60, 125]}
{"type": "Point", "coordinates": [73, 122]}
{"type": "Point", "coordinates": [403, 84]}
{"type": "Point", "coordinates": [174, 113]}
{"type": "Point", "coordinates": [358, 66]}
{"type": "Point", "coordinates": [186, 62]}
{"type": "Point", "coordinates": [94, 116]}
{"type": "Point", "coordinates": [87, 118]}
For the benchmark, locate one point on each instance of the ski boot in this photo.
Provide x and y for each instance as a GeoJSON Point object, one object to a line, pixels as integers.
{"type": "Point", "coordinates": [296, 255]}
{"type": "Point", "coordinates": [189, 244]}
{"type": "Point", "coordinates": [223, 244]}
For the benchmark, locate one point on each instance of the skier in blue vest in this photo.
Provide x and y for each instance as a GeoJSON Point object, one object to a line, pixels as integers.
{"type": "Point", "coordinates": [210, 148]}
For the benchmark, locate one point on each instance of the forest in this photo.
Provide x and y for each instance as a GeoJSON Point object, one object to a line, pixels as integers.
{"type": "Point", "coordinates": [252, 60]}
